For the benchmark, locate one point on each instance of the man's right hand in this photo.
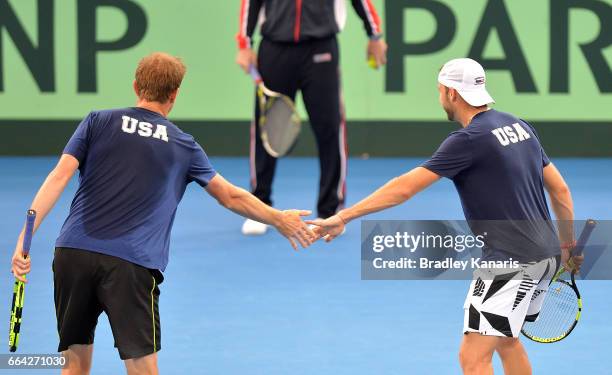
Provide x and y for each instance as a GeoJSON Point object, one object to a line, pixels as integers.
{"type": "Point", "coordinates": [245, 58]}
{"type": "Point", "coordinates": [290, 225]}
{"type": "Point", "coordinates": [20, 266]}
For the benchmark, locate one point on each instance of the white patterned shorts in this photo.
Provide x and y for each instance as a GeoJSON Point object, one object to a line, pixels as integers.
{"type": "Point", "coordinates": [499, 302]}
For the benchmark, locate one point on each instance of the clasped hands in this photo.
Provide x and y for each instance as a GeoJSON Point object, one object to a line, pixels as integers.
{"type": "Point", "coordinates": [307, 232]}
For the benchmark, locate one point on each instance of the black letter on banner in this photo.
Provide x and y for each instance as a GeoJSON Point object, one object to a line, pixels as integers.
{"type": "Point", "coordinates": [398, 49]}
{"type": "Point", "coordinates": [592, 51]}
{"type": "Point", "coordinates": [40, 60]}
{"type": "Point", "coordinates": [496, 17]}
{"type": "Point", "coordinates": [89, 46]}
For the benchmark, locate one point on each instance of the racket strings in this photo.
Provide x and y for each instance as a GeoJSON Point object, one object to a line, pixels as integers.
{"type": "Point", "coordinates": [281, 125]}
{"type": "Point", "coordinates": [558, 313]}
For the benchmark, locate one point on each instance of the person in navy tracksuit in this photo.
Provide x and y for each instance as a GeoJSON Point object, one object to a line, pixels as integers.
{"type": "Point", "coordinates": [299, 51]}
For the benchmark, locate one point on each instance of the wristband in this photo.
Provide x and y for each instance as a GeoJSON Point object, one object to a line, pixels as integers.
{"type": "Point", "coordinates": [243, 41]}
{"type": "Point", "coordinates": [375, 37]}
{"type": "Point", "coordinates": [568, 245]}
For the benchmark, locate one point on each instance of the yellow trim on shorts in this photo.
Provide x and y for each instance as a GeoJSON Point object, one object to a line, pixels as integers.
{"type": "Point", "coordinates": [153, 315]}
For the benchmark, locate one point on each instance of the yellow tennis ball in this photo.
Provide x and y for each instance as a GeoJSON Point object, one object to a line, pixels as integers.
{"type": "Point", "coordinates": [372, 63]}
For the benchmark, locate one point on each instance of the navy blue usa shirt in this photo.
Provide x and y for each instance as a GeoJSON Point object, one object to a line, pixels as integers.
{"type": "Point", "coordinates": [496, 164]}
{"type": "Point", "coordinates": [134, 167]}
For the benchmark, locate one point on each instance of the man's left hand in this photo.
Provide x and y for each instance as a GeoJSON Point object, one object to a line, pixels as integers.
{"type": "Point", "coordinates": [329, 228]}
{"type": "Point", "coordinates": [377, 50]}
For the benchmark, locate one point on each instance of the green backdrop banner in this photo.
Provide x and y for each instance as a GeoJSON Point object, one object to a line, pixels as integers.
{"type": "Point", "coordinates": [546, 60]}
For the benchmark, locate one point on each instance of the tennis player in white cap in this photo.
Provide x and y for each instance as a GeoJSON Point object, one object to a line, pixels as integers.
{"type": "Point", "coordinates": [467, 77]}
{"type": "Point", "coordinates": [500, 171]}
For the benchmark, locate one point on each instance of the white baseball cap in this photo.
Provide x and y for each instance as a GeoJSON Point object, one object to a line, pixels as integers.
{"type": "Point", "coordinates": [467, 77]}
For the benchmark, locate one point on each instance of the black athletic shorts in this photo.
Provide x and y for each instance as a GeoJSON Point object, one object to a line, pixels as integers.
{"type": "Point", "coordinates": [88, 283]}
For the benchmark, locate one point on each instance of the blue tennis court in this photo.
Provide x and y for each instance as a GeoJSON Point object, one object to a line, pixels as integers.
{"type": "Point", "coordinates": [251, 305]}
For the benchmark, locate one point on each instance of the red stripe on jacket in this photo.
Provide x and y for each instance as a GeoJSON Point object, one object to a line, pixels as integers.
{"type": "Point", "coordinates": [375, 19]}
{"type": "Point", "coordinates": [298, 20]}
{"type": "Point", "coordinates": [241, 37]}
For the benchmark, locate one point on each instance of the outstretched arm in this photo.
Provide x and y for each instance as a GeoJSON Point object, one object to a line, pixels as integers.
{"type": "Point", "coordinates": [45, 199]}
{"type": "Point", "coordinates": [238, 200]}
{"type": "Point", "coordinates": [393, 193]}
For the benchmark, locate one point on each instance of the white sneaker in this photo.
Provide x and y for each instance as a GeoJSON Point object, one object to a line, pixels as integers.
{"type": "Point", "coordinates": [254, 228]}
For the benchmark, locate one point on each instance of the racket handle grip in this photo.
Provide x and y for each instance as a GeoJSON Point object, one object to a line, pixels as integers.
{"type": "Point", "coordinates": [589, 225]}
{"type": "Point", "coordinates": [29, 230]}
{"type": "Point", "coordinates": [255, 74]}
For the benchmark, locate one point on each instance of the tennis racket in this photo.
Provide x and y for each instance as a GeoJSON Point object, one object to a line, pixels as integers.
{"type": "Point", "coordinates": [562, 306]}
{"type": "Point", "coordinates": [19, 288]}
{"type": "Point", "coordinates": [279, 122]}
